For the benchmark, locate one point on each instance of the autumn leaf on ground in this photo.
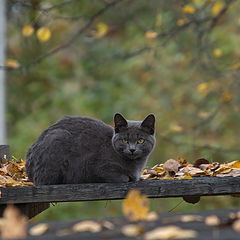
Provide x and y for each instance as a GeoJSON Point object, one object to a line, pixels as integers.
{"type": "Point", "coordinates": [132, 230]}
{"type": "Point", "coordinates": [169, 232]}
{"type": "Point", "coordinates": [212, 220]}
{"type": "Point", "coordinates": [87, 226]}
{"type": "Point", "coordinates": [171, 166]}
{"type": "Point", "coordinates": [39, 229]}
{"type": "Point", "coordinates": [14, 223]}
{"type": "Point", "coordinates": [135, 206]}
{"type": "Point", "coordinates": [12, 174]}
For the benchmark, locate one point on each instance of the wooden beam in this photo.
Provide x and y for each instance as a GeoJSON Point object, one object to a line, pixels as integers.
{"type": "Point", "coordinates": [199, 186]}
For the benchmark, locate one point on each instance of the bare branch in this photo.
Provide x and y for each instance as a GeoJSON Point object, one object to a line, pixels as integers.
{"type": "Point", "coordinates": [69, 42]}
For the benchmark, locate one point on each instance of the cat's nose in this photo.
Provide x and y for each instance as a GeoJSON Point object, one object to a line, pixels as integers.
{"type": "Point", "coordinates": [132, 150]}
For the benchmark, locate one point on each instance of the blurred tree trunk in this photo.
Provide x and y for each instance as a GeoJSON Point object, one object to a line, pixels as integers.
{"type": "Point", "coordinates": [2, 73]}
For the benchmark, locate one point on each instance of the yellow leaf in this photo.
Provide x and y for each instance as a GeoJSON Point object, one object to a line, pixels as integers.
{"type": "Point", "coordinates": [27, 30]}
{"type": "Point", "coordinates": [234, 164]}
{"type": "Point", "coordinates": [217, 8]}
{"type": "Point", "coordinates": [176, 128]}
{"type": "Point", "coordinates": [217, 52]}
{"type": "Point", "coordinates": [135, 206]}
{"type": "Point", "coordinates": [235, 66]}
{"type": "Point", "coordinates": [43, 34]}
{"type": "Point", "coordinates": [150, 34]}
{"type": "Point", "coordinates": [227, 97]}
{"type": "Point", "coordinates": [188, 9]}
{"type": "Point", "coordinates": [203, 87]}
{"type": "Point", "coordinates": [102, 30]}
{"type": "Point", "coordinates": [12, 63]}
{"type": "Point", "coordinates": [181, 21]}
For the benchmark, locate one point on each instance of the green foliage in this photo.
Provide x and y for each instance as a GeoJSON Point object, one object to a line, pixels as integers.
{"type": "Point", "coordinates": [135, 58]}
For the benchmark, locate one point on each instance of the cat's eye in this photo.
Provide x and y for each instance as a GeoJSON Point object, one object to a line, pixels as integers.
{"type": "Point", "coordinates": [125, 141]}
{"type": "Point", "coordinates": [140, 141]}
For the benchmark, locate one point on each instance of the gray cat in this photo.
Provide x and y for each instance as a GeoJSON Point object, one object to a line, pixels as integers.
{"type": "Point", "coordinates": [86, 150]}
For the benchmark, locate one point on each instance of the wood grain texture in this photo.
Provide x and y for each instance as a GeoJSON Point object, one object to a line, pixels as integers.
{"type": "Point", "coordinates": [200, 186]}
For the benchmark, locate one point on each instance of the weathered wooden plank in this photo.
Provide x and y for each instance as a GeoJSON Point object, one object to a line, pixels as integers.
{"type": "Point", "coordinates": [4, 150]}
{"type": "Point", "coordinates": [200, 186]}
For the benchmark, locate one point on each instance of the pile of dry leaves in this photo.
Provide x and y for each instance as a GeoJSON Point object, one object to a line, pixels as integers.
{"type": "Point", "coordinates": [182, 169]}
{"type": "Point", "coordinates": [13, 174]}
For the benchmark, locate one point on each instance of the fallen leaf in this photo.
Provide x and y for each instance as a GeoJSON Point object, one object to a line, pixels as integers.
{"type": "Point", "coordinates": [183, 218]}
{"type": "Point", "coordinates": [212, 220]}
{"type": "Point", "coordinates": [232, 173]}
{"type": "Point", "coordinates": [135, 206]}
{"type": "Point", "coordinates": [236, 226]}
{"type": "Point", "coordinates": [39, 229]}
{"type": "Point", "coordinates": [14, 224]}
{"type": "Point", "coordinates": [132, 230]}
{"type": "Point", "coordinates": [234, 164]}
{"type": "Point", "coordinates": [87, 226]}
{"type": "Point", "coordinates": [107, 224]}
{"type": "Point", "coordinates": [152, 216]}
{"type": "Point", "coordinates": [200, 161]}
{"type": "Point", "coordinates": [169, 232]}
{"type": "Point", "coordinates": [193, 171]}
{"type": "Point", "coordinates": [171, 166]}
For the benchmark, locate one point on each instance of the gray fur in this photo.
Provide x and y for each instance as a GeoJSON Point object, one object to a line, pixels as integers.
{"type": "Point", "coordinates": [85, 150]}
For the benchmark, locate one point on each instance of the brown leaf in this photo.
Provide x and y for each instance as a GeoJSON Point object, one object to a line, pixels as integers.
{"type": "Point", "coordinates": [171, 166]}
{"type": "Point", "coordinates": [169, 232]}
{"type": "Point", "coordinates": [236, 226]}
{"type": "Point", "coordinates": [39, 229]}
{"type": "Point", "coordinates": [212, 220]}
{"type": "Point", "coordinates": [132, 230]}
{"type": "Point", "coordinates": [200, 161]}
{"type": "Point", "coordinates": [14, 224]}
{"type": "Point", "coordinates": [231, 173]}
{"type": "Point", "coordinates": [87, 226]}
{"type": "Point", "coordinates": [192, 171]}
{"type": "Point", "coordinates": [183, 218]}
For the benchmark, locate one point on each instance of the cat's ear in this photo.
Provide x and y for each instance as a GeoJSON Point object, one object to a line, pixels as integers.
{"type": "Point", "coordinates": [148, 124]}
{"type": "Point", "coordinates": [120, 122]}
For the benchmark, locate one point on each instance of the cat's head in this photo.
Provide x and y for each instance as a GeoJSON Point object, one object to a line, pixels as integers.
{"type": "Point", "coordinates": [133, 139]}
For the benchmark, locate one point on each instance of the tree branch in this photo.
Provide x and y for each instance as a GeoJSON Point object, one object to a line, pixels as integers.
{"type": "Point", "coordinates": [69, 42]}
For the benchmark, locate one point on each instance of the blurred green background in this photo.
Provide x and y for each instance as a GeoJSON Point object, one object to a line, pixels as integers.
{"type": "Point", "coordinates": [176, 59]}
